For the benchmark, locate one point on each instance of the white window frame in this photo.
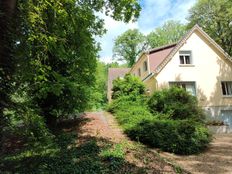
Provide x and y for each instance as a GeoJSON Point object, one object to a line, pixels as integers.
{"type": "Point", "coordinates": [185, 54]}
{"type": "Point", "coordinates": [183, 85]}
{"type": "Point", "coordinates": [228, 88]}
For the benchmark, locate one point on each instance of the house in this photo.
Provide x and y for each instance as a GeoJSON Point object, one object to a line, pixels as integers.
{"type": "Point", "coordinates": [196, 63]}
{"type": "Point", "coordinates": [114, 73]}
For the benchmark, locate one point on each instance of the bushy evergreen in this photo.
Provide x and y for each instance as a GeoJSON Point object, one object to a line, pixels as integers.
{"type": "Point", "coordinates": [171, 120]}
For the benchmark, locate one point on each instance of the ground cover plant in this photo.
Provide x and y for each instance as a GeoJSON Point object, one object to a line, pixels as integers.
{"type": "Point", "coordinates": [169, 120]}
{"type": "Point", "coordinates": [62, 154]}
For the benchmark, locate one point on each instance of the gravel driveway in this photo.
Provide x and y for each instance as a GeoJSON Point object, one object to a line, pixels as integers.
{"type": "Point", "coordinates": [216, 160]}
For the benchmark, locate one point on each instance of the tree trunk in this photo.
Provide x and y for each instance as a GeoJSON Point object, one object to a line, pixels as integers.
{"type": "Point", "coordinates": [7, 10]}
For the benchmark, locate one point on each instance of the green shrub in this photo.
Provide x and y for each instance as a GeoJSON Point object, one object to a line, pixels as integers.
{"type": "Point", "coordinates": [177, 136]}
{"type": "Point", "coordinates": [123, 102]}
{"type": "Point", "coordinates": [177, 103]}
{"type": "Point", "coordinates": [130, 111]}
{"type": "Point", "coordinates": [129, 85]}
{"type": "Point", "coordinates": [174, 123]}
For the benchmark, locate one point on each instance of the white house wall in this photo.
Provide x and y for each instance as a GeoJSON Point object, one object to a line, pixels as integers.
{"type": "Point", "coordinates": [208, 69]}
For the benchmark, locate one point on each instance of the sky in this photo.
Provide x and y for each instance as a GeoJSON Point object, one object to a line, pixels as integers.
{"type": "Point", "coordinates": [153, 14]}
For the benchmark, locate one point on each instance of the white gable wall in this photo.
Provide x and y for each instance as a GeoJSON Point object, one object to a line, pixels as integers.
{"type": "Point", "coordinates": [209, 68]}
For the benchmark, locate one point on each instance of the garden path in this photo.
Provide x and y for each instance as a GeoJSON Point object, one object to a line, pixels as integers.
{"type": "Point", "coordinates": [103, 125]}
{"type": "Point", "coordinates": [216, 160]}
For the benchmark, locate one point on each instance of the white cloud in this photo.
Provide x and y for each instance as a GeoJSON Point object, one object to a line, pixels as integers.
{"type": "Point", "coordinates": [154, 13]}
{"type": "Point", "coordinates": [114, 29]}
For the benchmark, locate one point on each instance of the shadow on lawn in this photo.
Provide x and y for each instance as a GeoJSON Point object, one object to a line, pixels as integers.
{"type": "Point", "coordinates": [64, 155]}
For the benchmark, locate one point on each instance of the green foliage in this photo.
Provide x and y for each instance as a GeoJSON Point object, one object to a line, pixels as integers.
{"type": "Point", "coordinates": [62, 155]}
{"type": "Point", "coordinates": [176, 103]}
{"type": "Point", "coordinates": [177, 136]}
{"type": "Point", "coordinates": [169, 33]}
{"type": "Point", "coordinates": [129, 85]}
{"type": "Point", "coordinates": [57, 62]}
{"type": "Point", "coordinates": [98, 94]}
{"type": "Point", "coordinates": [61, 55]}
{"type": "Point", "coordinates": [117, 151]}
{"type": "Point", "coordinates": [175, 124]}
{"type": "Point", "coordinates": [129, 45]}
{"type": "Point", "coordinates": [215, 18]}
{"type": "Point", "coordinates": [48, 50]}
{"type": "Point", "coordinates": [24, 121]}
{"type": "Point", "coordinates": [130, 111]}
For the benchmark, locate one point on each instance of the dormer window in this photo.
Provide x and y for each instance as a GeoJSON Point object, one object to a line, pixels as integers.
{"type": "Point", "coordinates": [185, 57]}
{"type": "Point", "coordinates": [145, 66]}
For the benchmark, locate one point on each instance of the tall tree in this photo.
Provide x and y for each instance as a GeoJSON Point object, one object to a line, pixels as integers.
{"type": "Point", "coordinates": [48, 51]}
{"type": "Point", "coordinates": [215, 18]}
{"type": "Point", "coordinates": [57, 51]}
{"type": "Point", "coordinates": [169, 33]}
{"type": "Point", "coordinates": [129, 45]}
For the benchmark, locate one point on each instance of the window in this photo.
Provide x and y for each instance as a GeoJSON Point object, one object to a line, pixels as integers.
{"type": "Point", "coordinates": [145, 66]}
{"type": "Point", "coordinates": [185, 57]}
{"type": "Point", "coordinates": [139, 72]}
{"type": "Point", "coordinates": [188, 86]}
{"type": "Point", "coordinates": [227, 88]}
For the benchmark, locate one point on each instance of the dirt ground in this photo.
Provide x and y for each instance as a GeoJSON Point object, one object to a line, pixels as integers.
{"type": "Point", "coordinates": [216, 160]}
{"type": "Point", "coordinates": [103, 125]}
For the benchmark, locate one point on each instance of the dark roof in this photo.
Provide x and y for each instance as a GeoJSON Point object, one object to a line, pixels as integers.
{"type": "Point", "coordinates": [114, 73]}
{"type": "Point", "coordinates": [162, 48]}
{"type": "Point", "coordinates": [157, 55]}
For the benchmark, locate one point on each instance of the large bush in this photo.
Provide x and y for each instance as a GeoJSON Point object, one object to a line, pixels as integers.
{"type": "Point", "coordinates": [129, 85]}
{"type": "Point", "coordinates": [177, 136]}
{"type": "Point", "coordinates": [181, 137]}
{"type": "Point", "coordinates": [171, 121]}
{"type": "Point", "coordinates": [177, 103]}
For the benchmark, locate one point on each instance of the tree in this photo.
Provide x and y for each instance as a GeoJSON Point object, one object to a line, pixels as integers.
{"type": "Point", "coordinates": [215, 18]}
{"type": "Point", "coordinates": [61, 51]}
{"type": "Point", "coordinates": [52, 61]}
{"type": "Point", "coordinates": [169, 33]}
{"type": "Point", "coordinates": [129, 45]}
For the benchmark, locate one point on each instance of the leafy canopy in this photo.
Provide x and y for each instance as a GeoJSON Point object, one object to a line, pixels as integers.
{"type": "Point", "coordinates": [169, 33]}
{"type": "Point", "coordinates": [215, 18]}
{"type": "Point", "coordinates": [129, 45]}
{"type": "Point", "coordinates": [48, 56]}
{"type": "Point", "coordinates": [61, 50]}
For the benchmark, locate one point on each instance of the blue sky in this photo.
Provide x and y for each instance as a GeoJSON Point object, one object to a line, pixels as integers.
{"type": "Point", "coordinates": [154, 13]}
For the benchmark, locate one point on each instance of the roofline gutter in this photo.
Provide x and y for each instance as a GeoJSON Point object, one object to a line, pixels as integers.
{"type": "Point", "coordinates": [149, 76]}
